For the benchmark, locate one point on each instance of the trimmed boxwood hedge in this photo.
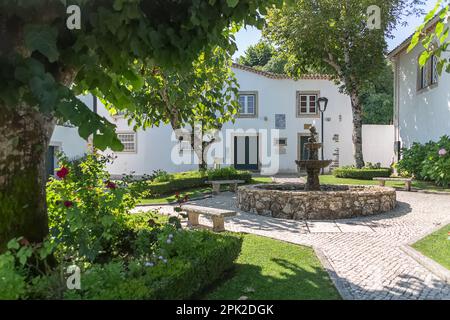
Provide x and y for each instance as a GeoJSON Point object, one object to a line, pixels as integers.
{"type": "Point", "coordinates": [363, 174]}
{"type": "Point", "coordinates": [195, 261]}
{"type": "Point", "coordinates": [195, 179]}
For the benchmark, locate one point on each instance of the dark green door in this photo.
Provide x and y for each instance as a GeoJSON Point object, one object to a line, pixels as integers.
{"type": "Point", "coordinates": [246, 152]}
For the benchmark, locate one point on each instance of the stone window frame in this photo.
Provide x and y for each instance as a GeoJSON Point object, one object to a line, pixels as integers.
{"type": "Point", "coordinates": [300, 93]}
{"type": "Point", "coordinates": [134, 134]}
{"type": "Point", "coordinates": [249, 115]}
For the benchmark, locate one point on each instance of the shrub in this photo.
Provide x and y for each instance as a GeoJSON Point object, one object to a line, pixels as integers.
{"type": "Point", "coordinates": [181, 268]}
{"type": "Point", "coordinates": [363, 174]}
{"type": "Point", "coordinates": [229, 173]}
{"type": "Point", "coordinates": [161, 176]}
{"type": "Point", "coordinates": [436, 166]}
{"type": "Point", "coordinates": [413, 158]}
{"type": "Point", "coordinates": [87, 210]}
{"type": "Point", "coordinates": [430, 161]}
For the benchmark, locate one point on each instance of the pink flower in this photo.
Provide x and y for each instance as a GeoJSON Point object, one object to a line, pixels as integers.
{"type": "Point", "coordinates": [62, 173]}
{"type": "Point", "coordinates": [68, 204]}
{"type": "Point", "coordinates": [442, 152]}
{"type": "Point", "coordinates": [111, 185]}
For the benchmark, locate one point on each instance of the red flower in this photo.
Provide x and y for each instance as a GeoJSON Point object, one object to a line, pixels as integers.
{"type": "Point", "coordinates": [62, 173]}
{"type": "Point", "coordinates": [177, 194]}
{"type": "Point", "coordinates": [111, 185]}
{"type": "Point", "coordinates": [68, 204]}
{"type": "Point", "coordinates": [24, 242]}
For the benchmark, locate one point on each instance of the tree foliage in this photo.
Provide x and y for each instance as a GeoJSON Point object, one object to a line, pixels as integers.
{"type": "Point", "coordinates": [333, 37]}
{"type": "Point", "coordinates": [40, 58]}
{"type": "Point", "coordinates": [436, 42]}
{"type": "Point", "coordinates": [264, 56]}
{"type": "Point", "coordinates": [202, 98]}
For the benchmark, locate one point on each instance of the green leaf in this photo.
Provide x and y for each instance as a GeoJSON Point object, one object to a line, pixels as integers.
{"type": "Point", "coordinates": [232, 3]}
{"type": "Point", "coordinates": [424, 58]}
{"type": "Point", "coordinates": [42, 38]}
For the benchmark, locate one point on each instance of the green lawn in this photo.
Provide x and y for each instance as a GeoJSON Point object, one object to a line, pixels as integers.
{"type": "Point", "coordinates": [423, 185]}
{"type": "Point", "coordinates": [271, 269]}
{"type": "Point", "coordinates": [195, 192]}
{"type": "Point", "coordinates": [436, 246]}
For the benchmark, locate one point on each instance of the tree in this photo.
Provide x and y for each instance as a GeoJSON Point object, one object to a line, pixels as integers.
{"type": "Point", "coordinates": [264, 56]}
{"type": "Point", "coordinates": [44, 65]}
{"type": "Point", "coordinates": [202, 98]}
{"type": "Point", "coordinates": [377, 98]}
{"type": "Point", "coordinates": [257, 55]}
{"type": "Point", "coordinates": [334, 37]}
{"type": "Point", "coordinates": [435, 41]}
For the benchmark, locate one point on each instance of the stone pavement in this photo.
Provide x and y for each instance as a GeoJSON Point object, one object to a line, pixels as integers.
{"type": "Point", "coordinates": [362, 255]}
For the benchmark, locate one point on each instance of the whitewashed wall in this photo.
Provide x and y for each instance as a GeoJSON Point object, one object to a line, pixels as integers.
{"type": "Point", "coordinates": [156, 146]}
{"type": "Point", "coordinates": [378, 144]}
{"type": "Point", "coordinates": [67, 139]}
{"type": "Point", "coordinates": [423, 115]}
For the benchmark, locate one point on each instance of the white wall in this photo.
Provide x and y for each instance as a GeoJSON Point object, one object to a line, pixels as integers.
{"type": "Point", "coordinates": [378, 144]}
{"type": "Point", "coordinates": [422, 115]}
{"type": "Point", "coordinates": [67, 140]}
{"type": "Point", "coordinates": [275, 96]}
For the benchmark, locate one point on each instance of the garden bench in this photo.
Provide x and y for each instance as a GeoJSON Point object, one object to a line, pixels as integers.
{"type": "Point", "coordinates": [217, 215]}
{"type": "Point", "coordinates": [216, 185]}
{"type": "Point", "coordinates": [407, 181]}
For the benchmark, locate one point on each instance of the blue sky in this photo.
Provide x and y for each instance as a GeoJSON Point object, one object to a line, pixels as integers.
{"type": "Point", "coordinates": [251, 35]}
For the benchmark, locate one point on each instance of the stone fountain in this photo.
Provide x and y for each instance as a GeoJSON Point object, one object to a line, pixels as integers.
{"type": "Point", "coordinates": [313, 165]}
{"type": "Point", "coordinates": [312, 201]}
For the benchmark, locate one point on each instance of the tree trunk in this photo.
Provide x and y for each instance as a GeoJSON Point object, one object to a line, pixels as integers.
{"type": "Point", "coordinates": [24, 138]}
{"type": "Point", "coordinates": [357, 130]}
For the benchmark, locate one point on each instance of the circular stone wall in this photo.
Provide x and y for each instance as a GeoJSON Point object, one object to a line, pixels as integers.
{"type": "Point", "coordinates": [290, 201]}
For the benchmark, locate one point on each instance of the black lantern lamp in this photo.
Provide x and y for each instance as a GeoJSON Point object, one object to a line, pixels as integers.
{"type": "Point", "coordinates": [322, 103]}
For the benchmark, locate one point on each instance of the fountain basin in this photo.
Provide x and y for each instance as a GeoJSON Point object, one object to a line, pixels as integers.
{"type": "Point", "coordinates": [291, 201]}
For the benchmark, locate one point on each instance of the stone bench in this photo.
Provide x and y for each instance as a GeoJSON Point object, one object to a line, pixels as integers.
{"type": "Point", "coordinates": [407, 181]}
{"type": "Point", "coordinates": [217, 215]}
{"type": "Point", "coordinates": [216, 185]}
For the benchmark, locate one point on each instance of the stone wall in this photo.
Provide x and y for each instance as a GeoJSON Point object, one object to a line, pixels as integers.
{"type": "Point", "coordinates": [333, 202]}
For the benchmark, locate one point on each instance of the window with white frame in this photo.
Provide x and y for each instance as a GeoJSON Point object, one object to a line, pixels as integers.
{"type": "Point", "coordinates": [428, 74]}
{"type": "Point", "coordinates": [306, 103]}
{"type": "Point", "coordinates": [128, 140]}
{"type": "Point", "coordinates": [247, 103]}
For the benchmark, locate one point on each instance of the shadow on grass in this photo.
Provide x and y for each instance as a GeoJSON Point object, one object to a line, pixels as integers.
{"type": "Point", "coordinates": [291, 283]}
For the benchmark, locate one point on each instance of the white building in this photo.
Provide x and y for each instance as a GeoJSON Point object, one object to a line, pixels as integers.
{"type": "Point", "coordinates": [66, 139]}
{"type": "Point", "coordinates": [422, 97]}
{"type": "Point", "coordinates": [267, 136]}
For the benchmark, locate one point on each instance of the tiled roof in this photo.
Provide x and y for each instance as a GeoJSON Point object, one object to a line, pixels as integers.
{"type": "Point", "coordinates": [431, 24]}
{"type": "Point", "coordinates": [272, 75]}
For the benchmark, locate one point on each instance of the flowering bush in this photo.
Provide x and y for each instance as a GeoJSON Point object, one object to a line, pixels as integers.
{"type": "Point", "coordinates": [87, 210]}
{"type": "Point", "coordinates": [430, 161]}
{"type": "Point", "coordinates": [121, 255]}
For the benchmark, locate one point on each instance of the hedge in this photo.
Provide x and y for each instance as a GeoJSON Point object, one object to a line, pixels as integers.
{"type": "Point", "coordinates": [363, 174]}
{"type": "Point", "coordinates": [195, 179]}
{"type": "Point", "coordinates": [200, 258]}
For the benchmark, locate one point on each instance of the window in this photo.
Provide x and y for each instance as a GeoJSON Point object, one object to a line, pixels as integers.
{"type": "Point", "coordinates": [428, 74]}
{"type": "Point", "coordinates": [248, 104]}
{"type": "Point", "coordinates": [306, 104]}
{"type": "Point", "coordinates": [281, 142]}
{"type": "Point", "coordinates": [128, 140]}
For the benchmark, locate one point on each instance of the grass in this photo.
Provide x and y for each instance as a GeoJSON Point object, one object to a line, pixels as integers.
{"type": "Point", "coordinates": [195, 193]}
{"type": "Point", "coordinates": [275, 270]}
{"type": "Point", "coordinates": [422, 185]}
{"type": "Point", "coordinates": [436, 246]}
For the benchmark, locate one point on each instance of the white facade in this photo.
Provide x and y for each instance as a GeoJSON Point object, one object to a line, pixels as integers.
{"type": "Point", "coordinates": [159, 148]}
{"type": "Point", "coordinates": [420, 114]}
